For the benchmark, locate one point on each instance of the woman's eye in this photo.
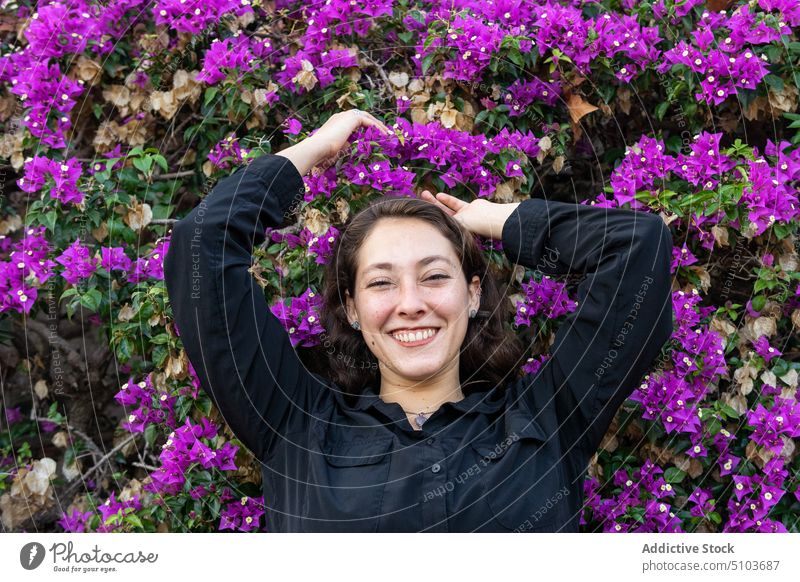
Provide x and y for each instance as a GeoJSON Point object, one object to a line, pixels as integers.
{"type": "Point", "coordinates": [378, 283]}
{"type": "Point", "coordinates": [381, 283]}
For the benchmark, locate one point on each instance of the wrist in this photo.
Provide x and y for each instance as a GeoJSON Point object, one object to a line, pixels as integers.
{"type": "Point", "coordinates": [306, 154]}
{"type": "Point", "coordinates": [499, 218]}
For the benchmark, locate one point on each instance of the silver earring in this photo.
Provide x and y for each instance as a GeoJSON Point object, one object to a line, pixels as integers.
{"type": "Point", "coordinates": [473, 313]}
{"type": "Point", "coordinates": [355, 325]}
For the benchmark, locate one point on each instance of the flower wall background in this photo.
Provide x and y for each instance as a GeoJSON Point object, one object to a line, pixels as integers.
{"type": "Point", "coordinates": [119, 117]}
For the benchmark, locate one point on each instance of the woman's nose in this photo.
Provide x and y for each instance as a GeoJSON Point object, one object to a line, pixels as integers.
{"type": "Point", "coordinates": [411, 300]}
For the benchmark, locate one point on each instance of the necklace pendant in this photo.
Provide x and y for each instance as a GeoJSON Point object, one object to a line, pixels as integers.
{"type": "Point", "coordinates": [420, 419]}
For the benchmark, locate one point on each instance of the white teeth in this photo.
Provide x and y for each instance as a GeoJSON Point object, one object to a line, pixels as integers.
{"type": "Point", "coordinates": [412, 337]}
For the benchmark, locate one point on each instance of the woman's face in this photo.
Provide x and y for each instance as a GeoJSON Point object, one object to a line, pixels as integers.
{"type": "Point", "coordinates": [409, 278]}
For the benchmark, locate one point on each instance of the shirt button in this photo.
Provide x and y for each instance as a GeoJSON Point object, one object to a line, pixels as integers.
{"type": "Point", "coordinates": [429, 441]}
{"type": "Point", "coordinates": [436, 468]}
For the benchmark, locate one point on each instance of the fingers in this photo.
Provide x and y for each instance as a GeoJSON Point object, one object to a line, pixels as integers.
{"type": "Point", "coordinates": [370, 119]}
{"type": "Point", "coordinates": [450, 201]}
{"type": "Point", "coordinates": [428, 197]}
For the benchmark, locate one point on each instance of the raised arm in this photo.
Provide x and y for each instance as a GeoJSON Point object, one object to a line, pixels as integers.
{"type": "Point", "coordinates": [624, 313]}
{"type": "Point", "coordinates": [240, 351]}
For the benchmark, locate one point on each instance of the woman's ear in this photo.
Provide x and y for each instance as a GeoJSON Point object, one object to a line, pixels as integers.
{"type": "Point", "coordinates": [475, 292]}
{"type": "Point", "coordinates": [350, 307]}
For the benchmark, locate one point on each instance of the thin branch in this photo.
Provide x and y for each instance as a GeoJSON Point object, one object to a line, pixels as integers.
{"type": "Point", "coordinates": [73, 358]}
{"type": "Point", "coordinates": [105, 458]}
{"type": "Point", "coordinates": [173, 175]}
{"type": "Point", "coordinates": [382, 73]}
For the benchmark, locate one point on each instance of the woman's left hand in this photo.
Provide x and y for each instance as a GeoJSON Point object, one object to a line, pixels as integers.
{"type": "Point", "coordinates": [479, 216]}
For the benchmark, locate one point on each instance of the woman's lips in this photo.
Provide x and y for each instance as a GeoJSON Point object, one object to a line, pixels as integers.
{"type": "Point", "coordinates": [414, 344]}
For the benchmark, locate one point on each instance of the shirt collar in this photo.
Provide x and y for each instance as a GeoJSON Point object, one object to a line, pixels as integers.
{"type": "Point", "coordinates": [478, 400]}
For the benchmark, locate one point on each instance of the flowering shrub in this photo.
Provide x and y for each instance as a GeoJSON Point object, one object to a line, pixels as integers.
{"type": "Point", "coordinates": [120, 116]}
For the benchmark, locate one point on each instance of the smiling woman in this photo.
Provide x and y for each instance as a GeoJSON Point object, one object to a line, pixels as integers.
{"type": "Point", "coordinates": [428, 311]}
{"type": "Point", "coordinates": [436, 432]}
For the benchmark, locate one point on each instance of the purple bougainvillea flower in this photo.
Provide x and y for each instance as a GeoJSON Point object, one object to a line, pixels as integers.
{"type": "Point", "coordinates": [293, 126]}
{"type": "Point", "coordinates": [78, 264]}
{"type": "Point", "coordinates": [114, 258]}
{"type": "Point", "coordinates": [765, 350]}
{"type": "Point", "coordinates": [514, 168]}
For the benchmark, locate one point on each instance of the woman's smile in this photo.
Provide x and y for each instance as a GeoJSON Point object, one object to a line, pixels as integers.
{"type": "Point", "coordinates": [409, 339]}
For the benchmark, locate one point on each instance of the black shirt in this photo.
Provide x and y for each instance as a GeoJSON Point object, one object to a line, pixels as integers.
{"type": "Point", "coordinates": [511, 458]}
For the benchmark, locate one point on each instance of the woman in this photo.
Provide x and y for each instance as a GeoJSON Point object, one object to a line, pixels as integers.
{"type": "Point", "coordinates": [419, 433]}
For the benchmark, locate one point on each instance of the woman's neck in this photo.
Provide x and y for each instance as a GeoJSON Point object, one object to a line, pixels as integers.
{"type": "Point", "coordinates": [425, 398]}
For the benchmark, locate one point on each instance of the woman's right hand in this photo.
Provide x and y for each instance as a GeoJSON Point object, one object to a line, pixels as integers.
{"type": "Point", "coordinates": [321, 148]}
{"type": "Point", "coordinates": [335, 132]}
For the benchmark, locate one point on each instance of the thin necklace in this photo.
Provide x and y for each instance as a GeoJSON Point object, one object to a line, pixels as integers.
{"type": "Point", "coordinates": [420, 417]}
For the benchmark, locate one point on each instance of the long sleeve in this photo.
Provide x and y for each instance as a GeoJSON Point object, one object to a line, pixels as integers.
{"type": "Point", "coordinates": [241, 353]}
{"type": "Point", "coordinates": [624, 314]}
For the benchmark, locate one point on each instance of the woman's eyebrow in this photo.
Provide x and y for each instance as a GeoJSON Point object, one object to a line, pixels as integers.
{"type": "Point", "coordinates": [421, 262]}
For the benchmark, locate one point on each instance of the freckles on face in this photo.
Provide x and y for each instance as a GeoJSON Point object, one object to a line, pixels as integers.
{"type": "Point", "coordinates": [409, 277]}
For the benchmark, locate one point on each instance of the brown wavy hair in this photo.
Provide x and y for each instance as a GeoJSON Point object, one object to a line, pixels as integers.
{"type": "Point", "coordinates": [490, 353]}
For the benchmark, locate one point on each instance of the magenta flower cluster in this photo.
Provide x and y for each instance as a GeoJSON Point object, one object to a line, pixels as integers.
{"type": "Point", "coordinates": [645, 489]}
{"type": "Point", "coordinates": [194, 16]}
{"type": "Point", "coordinates": [242, 514]}
{"type": "Point", "coordinates": [722, 53]}
{"type": "Point", "coordinates": [187, 448]}
{"type": "Point", "coordinates": [227, 153]}
{"type": "Point", "coordinates": [151, 405]}
{"type": "Point", "coordinates": [754, 496]}
{"type": "Point", "coordinates": [26, 269]}
{"type": "Point", "coordinates": [769, 196]}
{"type": "Point", "coordinates": [675, 395]}
{"type": "Point", "coordinates": [319, 247]}
{"type": "Point", "coordinates": [238, 54]}
{"type": "Point", "coordinates": [301, 319]}
{"type": "Point", "coordinates": [63, 178]}
{"type": "Point", "coordinates": [546, 298]}
{"type": "Point", "coordinates": [111, 513]}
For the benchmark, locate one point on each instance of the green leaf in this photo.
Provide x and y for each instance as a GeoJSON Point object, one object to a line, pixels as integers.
{"type": "Point", "coordinates": [515, 57]}
{"type": "Point", "coordinates": [426, 62]}
{"type": "Point", "coordinates": [134, 520]}
{"type": "Point", "coordinates": [417, 15]}
{"type": "Point", "coordinates": [211, 92]}
{"type": "Point", "coordinates": [674, 475]}
{"type": "Point", "coordinates": [68, 293]}
{"type": "Point", "coordinates": [161, 161]}
{"type": "Point", "coordinates": [661, 110]}
{"type": "Point", "coordinates": [143, 164]}
{"type": "Point", "coordinates": [49, 219]}
{"type": "Point", "coordinates": [91, 299]}
{"type": "Point", "coordinates": [775, 82]}
{"type": "Point", "coordinates": [203, 404]}
{"type": "Point", "coordinates": [781, 230]}
{"type": "Point", "coordinates": [124, 349]}
{"type": "Point", "coordinates": [728, 411]}
{"type": "Point", "coordinates": [150, 434]}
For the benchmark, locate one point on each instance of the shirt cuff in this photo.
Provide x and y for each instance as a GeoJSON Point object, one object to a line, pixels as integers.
{"type": "Point", "coordinates": [524, 233]}
{"type": "Point", "coordinates": [280, 176]}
